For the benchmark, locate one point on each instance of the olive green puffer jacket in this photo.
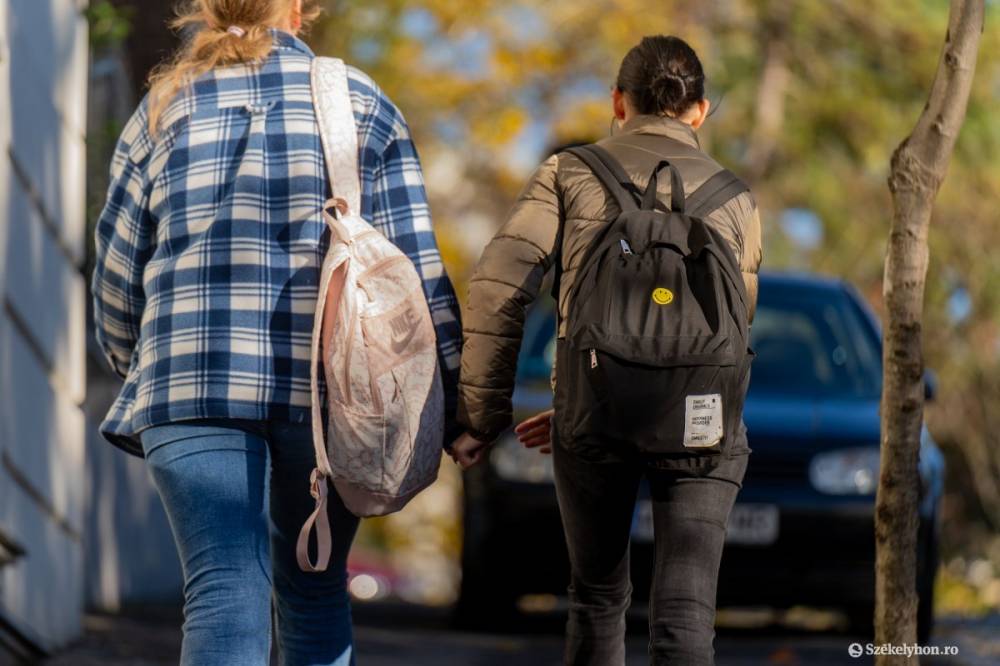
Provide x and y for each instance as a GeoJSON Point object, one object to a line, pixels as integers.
{"type": "Point", "coordinates": [564, 191]}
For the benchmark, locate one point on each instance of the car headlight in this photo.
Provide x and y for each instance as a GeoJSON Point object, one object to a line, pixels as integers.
{"type": "Point", "coordinates": [846, 471]}
{"type": "Point", "coordinates": [513, 462]}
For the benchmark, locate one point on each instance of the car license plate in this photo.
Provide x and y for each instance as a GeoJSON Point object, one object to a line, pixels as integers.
{"type": "Point", "coordinates": [749, 524]}
{"type": "Point", "coordinates": [753, 525]}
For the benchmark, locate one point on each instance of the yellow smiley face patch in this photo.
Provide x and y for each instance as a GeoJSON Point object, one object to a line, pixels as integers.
{"type": "Point", "coordinates": [662, 296]}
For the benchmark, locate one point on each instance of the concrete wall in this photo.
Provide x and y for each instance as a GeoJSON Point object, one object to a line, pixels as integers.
{"type": "Point", "coordinates": [80, 522]}
{"type": "Point", "coordinates": [43, 90]}
{"type": "Point", "coordinates": [129, 553]}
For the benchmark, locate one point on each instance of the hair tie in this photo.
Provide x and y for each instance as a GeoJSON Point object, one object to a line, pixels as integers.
{"type": "Point", "coordinates": [236, 30]}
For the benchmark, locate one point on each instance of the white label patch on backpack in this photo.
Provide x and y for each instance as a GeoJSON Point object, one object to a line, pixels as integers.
{"type": "Point", "coordinates": [702, 420]}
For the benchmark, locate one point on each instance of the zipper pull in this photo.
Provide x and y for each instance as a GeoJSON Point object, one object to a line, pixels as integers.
{"type": "Point", "coordinates": [626, 248]}
{"type": "Point", "coordinates": [593, 359]}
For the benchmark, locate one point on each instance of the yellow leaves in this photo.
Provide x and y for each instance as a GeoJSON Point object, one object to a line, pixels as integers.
{"type": "Point", "coordinates": [457, 14]}
{"type": "Point", "coordinates": [498, 129]}
{"type": "Point", "coordinates": [515, 66]}
{"type": "Point", "coordinates": [506, 65]}
{"type": "Point", "coordinates": [587, 121]}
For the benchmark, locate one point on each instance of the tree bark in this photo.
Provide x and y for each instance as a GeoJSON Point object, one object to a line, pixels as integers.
{"type": "Point", "coordinates": [769, 106]}
{"type": "Point", "coordinates": [917, 171]}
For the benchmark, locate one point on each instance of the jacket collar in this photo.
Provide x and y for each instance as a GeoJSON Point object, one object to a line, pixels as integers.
{"type": "Point", "coordinates": [286, 40]}
{"type": "Point", "coordinates": [661, 126]}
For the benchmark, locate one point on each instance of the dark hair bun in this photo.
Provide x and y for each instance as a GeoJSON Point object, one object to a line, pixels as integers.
{"type": "Point", "coordinates": [668, 90]}
{"type": "Point", "coordinates": [662, 75]}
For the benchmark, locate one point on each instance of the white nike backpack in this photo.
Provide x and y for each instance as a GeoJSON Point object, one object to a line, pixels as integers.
{"type": "Point", "coordinates": [375, 339]}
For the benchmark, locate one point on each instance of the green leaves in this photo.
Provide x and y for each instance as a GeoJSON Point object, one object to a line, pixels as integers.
{"type": "Point", "coordinates": [109, 25]}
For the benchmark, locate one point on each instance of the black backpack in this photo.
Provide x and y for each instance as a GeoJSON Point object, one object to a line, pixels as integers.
{"type": "Point", "coordinates": [655, 356]}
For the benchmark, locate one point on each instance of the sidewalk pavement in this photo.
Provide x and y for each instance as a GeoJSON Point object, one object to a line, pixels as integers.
{"type": "Point", "coordinates": [414, 636]}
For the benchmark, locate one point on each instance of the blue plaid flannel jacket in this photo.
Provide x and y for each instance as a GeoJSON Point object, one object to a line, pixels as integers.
{"type": "Point", "coordinates": [210, 245]}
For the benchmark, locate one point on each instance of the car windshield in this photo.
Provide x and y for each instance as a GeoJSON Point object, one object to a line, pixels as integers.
{"type": "Point", "coordinates": [814, 344]}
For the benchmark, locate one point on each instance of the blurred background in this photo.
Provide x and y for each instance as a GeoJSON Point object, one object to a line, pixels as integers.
{"type": "Point", "coordinates": [811, 99]}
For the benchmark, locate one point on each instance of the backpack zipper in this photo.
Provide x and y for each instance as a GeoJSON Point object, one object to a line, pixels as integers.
{"type": "Point", "coordinates": [593, 359]}
{"type": "Point", "coordinates": [626, 248]}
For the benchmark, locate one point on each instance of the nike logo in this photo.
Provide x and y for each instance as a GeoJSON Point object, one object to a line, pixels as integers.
{"type": "Point", "coordinates": [404, 327]}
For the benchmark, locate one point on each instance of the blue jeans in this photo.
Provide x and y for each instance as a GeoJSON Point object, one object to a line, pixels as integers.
{"type": "Point", "coordinates": [236, 494]}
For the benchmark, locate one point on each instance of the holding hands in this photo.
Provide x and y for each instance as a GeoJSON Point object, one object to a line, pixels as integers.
{"type": "Point", "coordinates": [535, 432]}
{"type": "Point", "coordinates": [467, 451]}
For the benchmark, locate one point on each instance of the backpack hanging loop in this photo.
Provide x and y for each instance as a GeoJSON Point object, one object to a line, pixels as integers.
{"type": "Point", "coordinates": [340, 205]}
{"type": "Point", "coordinates": [649, 199]}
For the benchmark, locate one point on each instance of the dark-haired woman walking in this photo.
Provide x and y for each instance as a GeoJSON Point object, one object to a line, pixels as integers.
{"type": "Point", "coordinates": [659, 104]}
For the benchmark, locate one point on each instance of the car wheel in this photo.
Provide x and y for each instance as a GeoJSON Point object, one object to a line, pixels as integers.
{"type": "Point", "coordinates": [483, 604]}
{"type": "Point", "coordinates": [861, 621]}
{"type": "Point", "coordinates": [927, 573]}
{"type": "Point", "coordinates": [487, 596]}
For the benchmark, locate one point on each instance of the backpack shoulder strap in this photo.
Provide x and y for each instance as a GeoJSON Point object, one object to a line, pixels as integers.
{"type": "Point", "coordinates": [610, 173]}
{"type": "Point", "coordinates": [338, 131]}
{"type": "Point", "coordinates": [339, 135]}
{"type": "Point", "coordinates": [714, 192]}
{"type": "Point", "coordinates": [614, 178]}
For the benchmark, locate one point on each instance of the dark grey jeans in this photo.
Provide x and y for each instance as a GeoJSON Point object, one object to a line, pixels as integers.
{"type": "Point", "coordinates": [597, 496]}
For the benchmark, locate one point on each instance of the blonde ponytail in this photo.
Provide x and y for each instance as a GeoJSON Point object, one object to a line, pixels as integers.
{"type": "Point", "coordinates": [225, 32]}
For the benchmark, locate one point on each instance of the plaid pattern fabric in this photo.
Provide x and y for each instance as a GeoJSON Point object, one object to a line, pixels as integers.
{"type": "Point", "coordinates": [210, 245]}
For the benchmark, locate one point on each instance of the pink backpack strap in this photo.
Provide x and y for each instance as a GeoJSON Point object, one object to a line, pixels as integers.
{"type": "Point", "coordinates": [321, 521]}
{"type": "Point", "coordinates": [338, 132]}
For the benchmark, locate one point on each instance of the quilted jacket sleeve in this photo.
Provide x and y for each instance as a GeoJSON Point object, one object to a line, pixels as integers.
{"type": "Point", "coordinates": [507, 279]}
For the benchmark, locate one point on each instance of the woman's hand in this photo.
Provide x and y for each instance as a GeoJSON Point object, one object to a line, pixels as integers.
{"type": "Point", "coordinates": [468, 451]}
{"type": "Point", "coordinates": [536, 432]}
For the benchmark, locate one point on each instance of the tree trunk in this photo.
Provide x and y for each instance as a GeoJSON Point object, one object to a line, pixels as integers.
{"type": "Point", "coordinates": [917, 171]}
{"type": "Point", "coordinates": [769, 107]}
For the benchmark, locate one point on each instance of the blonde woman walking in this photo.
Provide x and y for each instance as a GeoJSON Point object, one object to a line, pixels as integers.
{"type": "Point", "coordinates": [208, 257]}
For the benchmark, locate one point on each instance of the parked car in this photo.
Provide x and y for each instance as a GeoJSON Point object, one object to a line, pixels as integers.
{"type": "Point", "coordinates": [802, 531]}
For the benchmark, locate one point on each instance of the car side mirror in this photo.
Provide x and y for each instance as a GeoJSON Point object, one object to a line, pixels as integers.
{"type": "Point", "coordinates": [930, 385]}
